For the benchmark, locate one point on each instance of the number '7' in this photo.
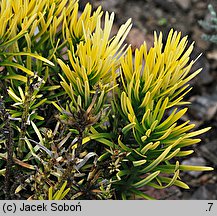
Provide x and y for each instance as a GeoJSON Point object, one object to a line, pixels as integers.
{"type": "Point", "coordinates": [211, 204]}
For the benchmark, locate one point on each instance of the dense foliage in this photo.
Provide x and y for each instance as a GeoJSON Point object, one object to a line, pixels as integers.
{"type": "Point", "coordinates": [81, 115]}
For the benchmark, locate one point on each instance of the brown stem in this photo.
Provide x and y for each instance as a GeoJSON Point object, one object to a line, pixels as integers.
{"type": "Point", "coordinates": [67, 175]}
{"type": "Point", "coordinates": [79, 143]}
{"type": "Point", "coordinates": [7, 131]}
{"type": "Point", "coordinates": [25, 115]}
{"type": "Point", "coordinates": [23, 128]}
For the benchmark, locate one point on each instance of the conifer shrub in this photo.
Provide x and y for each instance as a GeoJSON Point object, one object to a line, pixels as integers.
{"type": "Point", "coordinates": [210, 25]}
{"type": "Point", "coordinates": [82, 116]}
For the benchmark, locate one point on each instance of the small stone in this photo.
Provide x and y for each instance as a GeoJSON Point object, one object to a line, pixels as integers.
{"type": "Point", "coordinates": [136, 38]}
{"type": "Point", "coordinates": [134, 10]}
{"type": "Point", "coordinates": [204, 76]}
{"type": "Point", "coordinates": [194, 161]}
{"type": "Point", "coordinates": [201, 5]}
{"type": "Point", "coordinates": [166, 5]}
{"type": "Point", "coordinates": [206, 192]}
{"type": "Point", "coordinates": [184, 4]}
{"type": "Point", "coordinates": [203, 107]}
{"type": "Point", "coordinates": [212, 55]}
{"type": "Point", "coordinates": [170, 193]}
{"type": "Point", "coordinates": [209, 151]}
{"type": "Point", "coordinates": [110, 5]}
{"type": "Point", "coordinates": [204, 179]}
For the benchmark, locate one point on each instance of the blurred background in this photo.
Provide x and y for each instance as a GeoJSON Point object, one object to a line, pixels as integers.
{"type": "Point", "coordinates": [181, 15]}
